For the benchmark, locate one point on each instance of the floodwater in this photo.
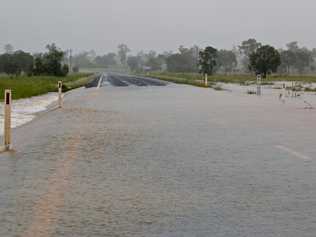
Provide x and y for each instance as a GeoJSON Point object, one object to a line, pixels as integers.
{"type": "Point", "coordinates": [169, 161]}
{"type": "Point", "coordinates": [25, 110]}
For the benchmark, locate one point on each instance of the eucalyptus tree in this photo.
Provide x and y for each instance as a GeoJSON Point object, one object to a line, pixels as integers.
{"type": "Point", "coordinates": [208, 61]}
{"type": "Point", "coordinates": [265, 60]}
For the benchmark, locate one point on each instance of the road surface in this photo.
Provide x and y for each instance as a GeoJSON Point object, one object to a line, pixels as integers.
{"type": "Point", "coordinates": [165, 161]}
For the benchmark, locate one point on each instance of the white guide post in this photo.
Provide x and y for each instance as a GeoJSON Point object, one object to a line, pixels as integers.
{"type": "Point", "coordinates": [259, 80]}
{"type": "Point", "coordinates": [60, 91]}
{"type": "Point", "coordinates": [7, 119]}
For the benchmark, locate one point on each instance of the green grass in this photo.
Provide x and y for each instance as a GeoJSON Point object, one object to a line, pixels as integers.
{"type": "Point", "coordinates": [24, 87]}
{"type": "Point", "coordinates": [189, 79]}
{"type": "Point", "coordinates": [197, 80]}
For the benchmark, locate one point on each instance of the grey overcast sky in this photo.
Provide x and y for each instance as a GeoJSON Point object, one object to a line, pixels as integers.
{"type": "Point", "coordinates": [154, 24]}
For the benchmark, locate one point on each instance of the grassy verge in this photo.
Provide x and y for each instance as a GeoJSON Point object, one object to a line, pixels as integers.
{"type": "Point", "coordinates": [188, 79]}
{"type": "Point", "coordinates": [197, 80]}
{"type": "Point", "coordinates": [79, 82]}
{"type": "Point", "coordinates": [24, 87]}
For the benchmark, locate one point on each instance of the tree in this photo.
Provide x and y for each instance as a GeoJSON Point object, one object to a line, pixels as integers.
{"type": "Point", "coordinates": [247, 48]}
{"type": "Point", "coordinates": [134, 63]}
{"type": "Point", "coordinates": [299, 59]}
{"type": "Point", "coordinates": [107, 60]}
{"type": "Point", "coordinates": [123, 50]}
{"type": "Point", "coordinates": [207, 60]}
{"type": "Point", "coordinates": [2, 63]}
{"type": "Point", "coordinates": [8, 49]}
{"type": "Point", "coordinates": [153, 61]}
{"type": "Point", "coordinates": [65, 70]}
{"type": "Point", "coordinates": [53, 59]}
{"type": "Point", "coordinates": [82, 60]}
{"type": "Point", "coordinates": [288, 60]}
{"type": "Point", "coordinates": [292, 46]}
{"type": "Point", "coordinates": [227, 60]}
{"type": "Point", "coordinates": [9, 64]}
{"type": "Point", "coordinates": [39, 67]}
{"type": "Point", "coordinates": [186, 60]}
{"type": "Point", "coordinates": [162, 58]}
{"type": "Point", "coordinates": [50, 63]}
{"type": "Point", "coordinates": [24, 61]}
{"type": "Point", "coordinates": [91, 55]}
{"type": "Point", "coordinates": [176, 63]}
{"type": "Point", "coordinates": [304, 60]}
{"type": "Point", "coordinates": [265, 60]}
{"type": "Point", "coordinates": [16, 63]}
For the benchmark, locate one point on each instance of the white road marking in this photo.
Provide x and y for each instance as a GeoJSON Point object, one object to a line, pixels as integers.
{"type": "Point", "coordinates": [294, 153]}
{"type": "Point", "coordinates": [100, 81]}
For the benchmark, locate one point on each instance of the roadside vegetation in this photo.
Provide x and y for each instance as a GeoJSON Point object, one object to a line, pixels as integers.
{"type": "Point", "coordinates": [249, 57]}
{"type": "Point", "coordinates": [50, 63]}
{"type": "Point", "coordinates": [191, 65]}
{"type": "Point", "coordinates": [34, 74]}
{"type": "Point", "coordinates": [25, 86]}
{"type": "Point", "coordinates": [179, 78]}
{"type": "Point", "coordinates": [30, 75]}
{"type": "Point", "coordinates": [207, 66]}
{"type": "Point", "coordinates": [197, 79]}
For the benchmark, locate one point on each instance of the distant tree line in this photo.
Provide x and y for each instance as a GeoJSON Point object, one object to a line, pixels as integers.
{"type": "Point", "coordinates": [250, 56]}
{"type": "Point", "coordinates": [16, 62]}
{"type": "Point", "coordinates": [19, 62]}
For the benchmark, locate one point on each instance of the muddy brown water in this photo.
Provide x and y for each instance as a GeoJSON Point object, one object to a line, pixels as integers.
{"type": "Point", "coordinates": [162, 161]}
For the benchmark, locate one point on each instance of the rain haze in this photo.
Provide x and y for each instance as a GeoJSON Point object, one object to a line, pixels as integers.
{"type": "Point", "coordinates": [159, 25]}
{"type": "Point", "coordinates": [157, 118]}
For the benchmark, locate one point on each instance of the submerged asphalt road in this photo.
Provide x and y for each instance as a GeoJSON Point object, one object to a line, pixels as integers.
{"type": "Point", "coordinates": [118, 80]}
{"type": "Point", "coordinates": [123, 80]}
{"type": "Point", "coordinates": [162, 161]}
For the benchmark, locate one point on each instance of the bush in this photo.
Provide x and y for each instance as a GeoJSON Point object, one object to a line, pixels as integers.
{"type": "Point", "coordinates": [16, 63]}
{"type": "Point", "coordinates": [50, 63]}
{"type": "Point", "coordinates": [249, 92]}
{"type": "Point", "coordinates": [65, 70]}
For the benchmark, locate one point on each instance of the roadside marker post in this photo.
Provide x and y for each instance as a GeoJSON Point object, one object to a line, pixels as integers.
{"type": "Point", "coordinates": [7, 119]}
{"type": "Point", "coordinates": [60, 91]}
{"type": "Point", "coordinates": [259, 80]}
{"type": "Point", "coordinates": [206, 80]}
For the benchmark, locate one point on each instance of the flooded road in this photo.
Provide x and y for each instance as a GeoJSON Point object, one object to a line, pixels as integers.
{"type": "Point", "coordinates": [25, 110]}
{"type": "Point", "coordinates": [165, 161]}
{"type": "Point", "coordinates": [118, 80]}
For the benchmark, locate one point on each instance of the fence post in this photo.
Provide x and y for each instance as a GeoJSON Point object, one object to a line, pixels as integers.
{"type": "Point", "coordinates": [60, 91]}
{"type": "Point", "coordinates": [7, 119]}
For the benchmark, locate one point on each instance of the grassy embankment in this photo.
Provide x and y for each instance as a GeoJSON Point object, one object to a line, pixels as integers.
{"type": "Point", "coordinates": [24, 87]}
{"type": "Point", "coordinates": [197, 79]}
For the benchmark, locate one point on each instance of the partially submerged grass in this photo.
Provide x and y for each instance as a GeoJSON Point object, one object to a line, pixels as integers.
{"type": "Point", "coordinates": [217, 88]}
{"type": "Point", "coordinates": [24, 87]}
{"type": "Point", "coordinates": [81, 81]}
{"type": "Point", "coordinates": [250, 92]}
{"type": "Point", "coordinates": [308, 89]}
{"type": "Point", "coordinates": [302, 78]}
{"type": "Point", "coordinates": [197, 79]}
{"type": "Point", "coordinates": [179, 79]}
